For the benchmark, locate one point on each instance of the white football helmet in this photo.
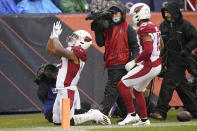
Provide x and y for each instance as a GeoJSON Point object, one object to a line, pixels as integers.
{"type": "Point", "coordinates": [139, 11]}
{"type": "Point", "coordinates": [80, 38]}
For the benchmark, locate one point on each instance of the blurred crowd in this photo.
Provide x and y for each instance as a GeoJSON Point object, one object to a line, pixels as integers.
{"type": "Point", "coordinates": [71, 6]}
{"type": "Point", "coordinates": [42, 6]}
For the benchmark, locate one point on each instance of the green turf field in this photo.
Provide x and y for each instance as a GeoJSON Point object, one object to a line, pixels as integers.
{"type": "Point", "coordinates": [36, 122]}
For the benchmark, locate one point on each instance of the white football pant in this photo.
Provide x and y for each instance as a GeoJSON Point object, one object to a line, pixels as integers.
{"type": "Point", "coordinates": [67, 92]}
{"type": "Point", "coordinates": [142, 77]}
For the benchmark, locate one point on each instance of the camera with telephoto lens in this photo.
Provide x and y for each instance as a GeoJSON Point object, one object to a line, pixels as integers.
{"type": "Point", "coordinates": [105, 14]}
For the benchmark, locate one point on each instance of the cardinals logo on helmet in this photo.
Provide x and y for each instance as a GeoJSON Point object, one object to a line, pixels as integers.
{"type": "Point", "coordinates": [87, 39]}
{"type": "Point", "coordinates": [137, 9]}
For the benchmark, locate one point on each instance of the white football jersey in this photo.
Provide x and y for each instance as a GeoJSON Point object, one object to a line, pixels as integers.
{"type": "Point", "coordinates": [149, 28]}
{"type": "Point", "coordinates": [69, 72]}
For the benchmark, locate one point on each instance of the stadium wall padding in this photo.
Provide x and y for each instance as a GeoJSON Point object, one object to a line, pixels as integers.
{"type": "Point", "coordinates": [23, 38]}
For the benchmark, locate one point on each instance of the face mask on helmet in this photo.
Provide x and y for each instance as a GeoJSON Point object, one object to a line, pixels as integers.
{"type": "Point", "coordinates": [72, 39]}
{"type": "Point", "coordinates": [80, 38]}
{"type": "Point", "coordinates": [134, 20]}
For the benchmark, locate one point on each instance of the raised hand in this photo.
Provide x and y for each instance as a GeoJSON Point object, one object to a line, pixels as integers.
{"type": "Point", "coordinates": [57, 30]}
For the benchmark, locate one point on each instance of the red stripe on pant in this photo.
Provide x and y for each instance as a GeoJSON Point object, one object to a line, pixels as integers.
{"type": "Point", "coordinates": [71, 94]}
{"type": "Point", "coordinates": [128, 99]}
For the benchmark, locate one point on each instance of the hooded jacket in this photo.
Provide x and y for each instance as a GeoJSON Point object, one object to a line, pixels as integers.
{"type": "Point", "coordinates": [177, 36]}
{"type": "Point", "coordinates": [118, 38]}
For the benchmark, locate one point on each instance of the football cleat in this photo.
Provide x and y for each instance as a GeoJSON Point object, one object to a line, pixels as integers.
{"type": "Point", "coordinates": [129, 119]}
{"type": "Point", "coordinates": [156, 116]}
{"type": "Point", "coordinates": [141, 123]}
{"type": "Point", "coordinates": [99, 117]}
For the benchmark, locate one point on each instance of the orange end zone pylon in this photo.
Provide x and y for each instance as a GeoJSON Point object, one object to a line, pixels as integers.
{"type": "Point", "coordinates": [65, 114]}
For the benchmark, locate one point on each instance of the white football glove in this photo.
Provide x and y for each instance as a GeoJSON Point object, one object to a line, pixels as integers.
{"type": "Point", "coordinates": [130, 65]}
{"type": "Point", "coordinates": [57, 30]}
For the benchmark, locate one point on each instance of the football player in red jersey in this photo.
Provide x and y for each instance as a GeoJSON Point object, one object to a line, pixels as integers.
{"type": "Point", "coordinates": [142, 69]}
{"type": "Point", "coordinates": [72, 61]}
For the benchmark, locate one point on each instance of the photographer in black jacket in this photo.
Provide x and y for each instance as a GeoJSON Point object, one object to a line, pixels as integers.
{"type": "Point", "coordinates": [180, 38]}
{"type": "Point", "coordinates": [120, 41]}
{"type": "Point", "coordinates": [46, 79]}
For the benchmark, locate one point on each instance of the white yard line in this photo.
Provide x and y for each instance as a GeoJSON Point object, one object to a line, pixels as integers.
{"type": "Point", "coordinates": [86, 127]}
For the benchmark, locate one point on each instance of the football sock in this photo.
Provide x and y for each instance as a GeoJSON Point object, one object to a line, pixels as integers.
{"type": "Point", "coordinates": [141, 103]}
{"type": "Point", "coordinates": [133, 114]}
{"type": "Point", "coordinates": [126, 96]}
{"type": "Point", "coordinates": [144, 119]}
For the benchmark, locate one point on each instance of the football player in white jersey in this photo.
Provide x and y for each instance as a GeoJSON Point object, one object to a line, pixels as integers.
{"type": "Point", "coordinates": [72, 61]}
{"type": "Point", "coordinates": [143, 68]}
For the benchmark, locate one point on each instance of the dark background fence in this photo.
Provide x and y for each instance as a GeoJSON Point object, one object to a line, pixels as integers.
{"type": "Point", "coordinates": [22, 45]}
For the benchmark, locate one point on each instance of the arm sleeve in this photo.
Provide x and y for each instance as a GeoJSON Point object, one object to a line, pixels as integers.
{"type": "Point", "coordinates": [98, 28]}
{"type": "Point", "coordinates": [191, 36]}
{"type": "Point", "coordinates": [80, 52]}
{"type": "Point", "coordinates": [100, 38]}
{"type": "Point", "coordinates": [133, 43]}
{"type": "Point", "coordinates": [147, 50]}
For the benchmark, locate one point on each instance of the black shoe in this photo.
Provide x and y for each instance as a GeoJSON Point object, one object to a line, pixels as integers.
{"type": "Point", "coordinates": [57, 123]}
{"type": "Point", "coordinates": [157, 116]}
{"type": "Point", "coordinates": [120, 120]}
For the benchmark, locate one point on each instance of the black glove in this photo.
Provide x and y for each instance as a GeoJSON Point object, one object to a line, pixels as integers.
{"type": "Point", "coordinates": [192, 69]}
{"type": "Point", "coordinates": [185, 53]}
{"type": "Point", "coordinates": [163, 55]}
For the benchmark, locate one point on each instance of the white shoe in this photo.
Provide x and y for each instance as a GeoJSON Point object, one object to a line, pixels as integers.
{"type": "Point", "coordinates": [129, 119]}
{"type": "Point", "coordinates": [141, 123]}
{"type": "Point", "coordinates": [99, 117]}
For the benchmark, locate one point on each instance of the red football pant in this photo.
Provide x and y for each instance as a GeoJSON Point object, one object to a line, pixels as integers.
{"type": "Point", "coordinates": [128, 100]}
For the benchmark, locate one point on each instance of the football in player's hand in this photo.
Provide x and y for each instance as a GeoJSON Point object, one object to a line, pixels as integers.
{"type": "Point", "coordinates": [184, 116]}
